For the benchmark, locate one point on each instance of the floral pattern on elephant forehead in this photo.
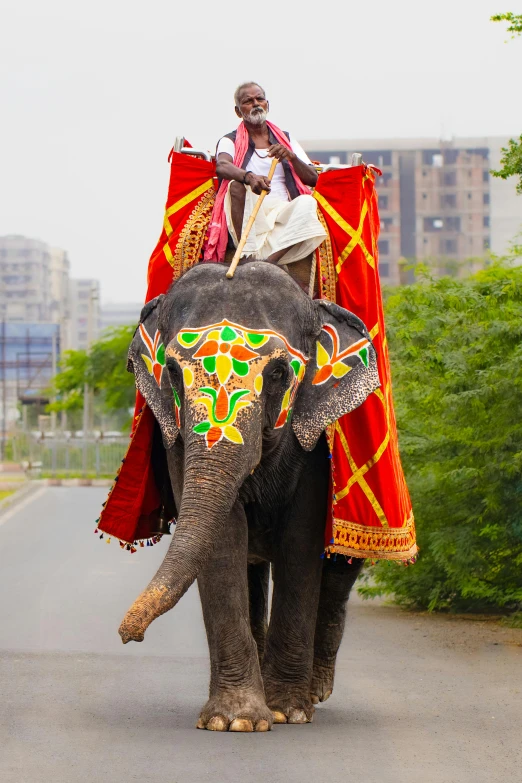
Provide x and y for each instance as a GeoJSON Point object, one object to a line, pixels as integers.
{"type": "Point", "coordinates": [222, 408]}
{"type": "Point", "coordinates": [332, 364]}
{"type": "Point", "coordinates": [228, 353]}
{"type": "Point", "coordinates": [155, 361]}
{"type": "Point", "coordinates": [229, 348]}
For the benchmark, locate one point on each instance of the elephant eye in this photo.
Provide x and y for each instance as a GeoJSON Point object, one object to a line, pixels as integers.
{"type": "Point", "coordinates": [278, 372]}
{"type": "Point", "coordinates": [173, 368]}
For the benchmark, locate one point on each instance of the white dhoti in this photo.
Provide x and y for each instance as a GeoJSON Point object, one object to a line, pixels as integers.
{"type": "Point", "coordinates": [279, 224]}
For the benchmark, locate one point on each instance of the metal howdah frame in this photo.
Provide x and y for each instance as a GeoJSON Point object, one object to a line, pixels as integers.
{"type": "Point", "coordinates": [179, 146]}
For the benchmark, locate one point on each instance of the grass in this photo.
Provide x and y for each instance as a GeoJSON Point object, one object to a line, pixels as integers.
{"type": "Point", "coordinates": [4, 493]}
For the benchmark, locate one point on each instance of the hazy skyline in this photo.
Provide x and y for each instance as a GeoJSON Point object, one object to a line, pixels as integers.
{"type": "Point", "coordinates": [93, 95]}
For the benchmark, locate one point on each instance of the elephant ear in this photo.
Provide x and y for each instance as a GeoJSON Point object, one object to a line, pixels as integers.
{"type": "Point", "coordinates": [340, 375]}
{"type": "Point", "coordinates": [146, 360]}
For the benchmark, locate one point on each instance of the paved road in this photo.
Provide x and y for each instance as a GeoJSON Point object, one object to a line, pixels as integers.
{"type": "Point", "coordinates": [417, 699]}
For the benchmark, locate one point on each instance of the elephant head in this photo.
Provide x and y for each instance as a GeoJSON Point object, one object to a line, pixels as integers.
{"type": "Point", "coordinates": [232, 368]}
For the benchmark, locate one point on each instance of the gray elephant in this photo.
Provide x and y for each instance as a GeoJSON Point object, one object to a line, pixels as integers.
{"type": "Point", "coordinates": [243, 376]}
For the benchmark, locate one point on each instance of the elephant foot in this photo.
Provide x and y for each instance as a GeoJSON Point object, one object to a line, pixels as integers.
{"type": "Point", "coordinates": [322, 681]}
{"type": "Point", "coordinates": [236, 711]}
{"type": "Point", "coordinates": [288, 706]}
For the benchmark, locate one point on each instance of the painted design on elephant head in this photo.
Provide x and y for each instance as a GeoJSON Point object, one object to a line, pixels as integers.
{"type": "Point", "coordinates": [225, 351]}
{"type": "Point", "coordinates": [177, 408]}
{"type": "Point", "coordinates": [228, 354]}
{"type": "Point", "coordinates": [222, 409]}
{"type": "Point", "coordinates": [155, 361]}
{"type": "Point", "coordinates": [288, 400]}
{"type": "Point", "coordinates": [332, 364]}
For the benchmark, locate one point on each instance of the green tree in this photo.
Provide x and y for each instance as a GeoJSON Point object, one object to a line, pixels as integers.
{"type": "Point", "coordinates": [511, 159]}
{"type": "Point", "coordinates": [456, 354]}
{"type": "Point", "coordinates": [104, 368]}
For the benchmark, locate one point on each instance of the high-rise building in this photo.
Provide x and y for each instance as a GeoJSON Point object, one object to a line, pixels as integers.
{"type": "Point", "coordinates": [25, 274]}
{"type": "Point", "coordinates": [34, 280]}
{"type": "Point", "coordinates": [42, 312]}
{"type": "Point", "coordinates": [437, 198]}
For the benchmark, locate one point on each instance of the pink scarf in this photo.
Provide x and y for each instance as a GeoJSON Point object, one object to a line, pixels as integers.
{"type": "Point", "coordinates": [218, 232]}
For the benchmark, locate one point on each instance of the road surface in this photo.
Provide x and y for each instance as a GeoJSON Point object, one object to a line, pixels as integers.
{"type": "Point", "coordinates": [417, 699]}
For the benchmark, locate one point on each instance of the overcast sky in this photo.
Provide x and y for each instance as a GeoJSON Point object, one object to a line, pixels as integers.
{"type": "Point", "coordinates": [93, 94]}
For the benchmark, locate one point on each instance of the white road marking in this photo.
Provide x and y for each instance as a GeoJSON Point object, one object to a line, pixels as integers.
{"type": "Point", "coordinates": [19, 506]}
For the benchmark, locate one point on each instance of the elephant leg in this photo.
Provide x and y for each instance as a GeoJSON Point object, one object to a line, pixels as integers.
{"type": "Point", "coordinates": [258, 584]}
{"type": "Point", "coordinates": [288, 659]}
{"type": "Point", "coordinates": [336, 582]}
{"type": "Point", "coordinates": [236, 698]}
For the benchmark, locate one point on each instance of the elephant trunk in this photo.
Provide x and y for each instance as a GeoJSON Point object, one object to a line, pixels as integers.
{"type": "Point", "coordinates": [209, 492]}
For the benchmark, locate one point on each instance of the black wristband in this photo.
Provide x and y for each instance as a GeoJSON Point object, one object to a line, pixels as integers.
{"type": "Point", "coordinates": [245, 177]}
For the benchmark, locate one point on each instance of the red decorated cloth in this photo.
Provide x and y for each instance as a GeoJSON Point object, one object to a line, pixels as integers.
{"type": "Point", "coordinates": [218, 233]}
{"type": "Point", "coordinates": [371, 513]}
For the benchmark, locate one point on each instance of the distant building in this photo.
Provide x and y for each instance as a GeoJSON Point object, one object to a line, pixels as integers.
{"type": "Point", "coordinates": [436, 198]}
{"type": "Point", "coordinates": [42, 312]}
{"type": "Point", "coordinates": [34, 281]}
{"type": "Point", "coordinates": [84, 304]}
{"type": "Point", "coordinates": [119, 314]}
{"type": "Point", "coordinates": [29, 354]}
{"type": "Point", "coordinates": [59, 284]}
{"type": "Point", "coordinates": [25, 280]}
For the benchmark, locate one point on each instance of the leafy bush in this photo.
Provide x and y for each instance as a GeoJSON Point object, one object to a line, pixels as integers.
{"type": "Point", "coordinates": [456, 355]}
{"type": "Point", "coordinates": [104, 368]}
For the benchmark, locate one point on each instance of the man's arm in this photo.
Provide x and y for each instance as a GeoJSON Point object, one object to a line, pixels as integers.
{"type": "Point", "coordinates": [306, 173]}
{"type": "Point", "coordinates": [225, 169]}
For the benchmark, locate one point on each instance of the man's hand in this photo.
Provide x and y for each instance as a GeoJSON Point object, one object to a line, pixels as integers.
{"type": "Point", "coordinates": [281, 153]}
{"type": "Point", "coordinates": [257, 183]}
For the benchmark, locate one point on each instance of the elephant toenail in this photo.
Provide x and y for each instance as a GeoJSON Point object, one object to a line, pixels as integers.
{"type": "Point", "coordinates": [297, 716]}
{"type": "Point", "coordinates": [279, 717]}
{"type": "Point", "coordinates": [326, 695]}
{"type": "Point", "coordinates": [241, 724]}
{"type": "Point", "coordinates": [200, 724]}
{"type": "Point", "coordinates": [262, 725]}
{"type": "Point", "coordinates": [314, 698]}
{"type": "Point", "coordinates": [217, 723]}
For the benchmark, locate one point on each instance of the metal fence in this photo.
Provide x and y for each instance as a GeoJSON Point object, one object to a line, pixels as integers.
{"type": "Point", "coordinates": [86, 457]}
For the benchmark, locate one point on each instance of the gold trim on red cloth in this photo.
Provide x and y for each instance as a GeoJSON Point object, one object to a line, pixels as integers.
{"type": "Point", "coordinates": [371, 513]}
{"type": "Point", "coordinates": [355, 540]}
{"type": "Point", "coordinates": [192, 236]}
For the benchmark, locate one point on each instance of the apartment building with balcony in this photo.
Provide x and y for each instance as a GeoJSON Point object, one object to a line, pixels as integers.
{"type": "Point", "coordinates": [437, 199]}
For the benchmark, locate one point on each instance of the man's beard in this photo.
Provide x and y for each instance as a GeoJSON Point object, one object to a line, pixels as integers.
{"type": "Point", "coordinates": [256, 116]}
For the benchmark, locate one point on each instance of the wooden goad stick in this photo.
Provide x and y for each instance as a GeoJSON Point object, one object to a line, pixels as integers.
{"type": "Point", "coordinates": [246, 232]}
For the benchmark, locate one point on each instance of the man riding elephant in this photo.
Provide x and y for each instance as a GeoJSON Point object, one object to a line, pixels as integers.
{"type": "Point", "coordinates": [286, 228]}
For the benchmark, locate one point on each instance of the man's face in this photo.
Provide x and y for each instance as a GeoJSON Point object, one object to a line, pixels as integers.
{"type": "Point", "coordinates": [253, 106]}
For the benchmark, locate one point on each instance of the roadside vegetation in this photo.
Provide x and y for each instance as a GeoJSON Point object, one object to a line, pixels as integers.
{"type": "Point", "coordinates": [104, 370]}
{"type": "Point", "coordinates": [456, 354]}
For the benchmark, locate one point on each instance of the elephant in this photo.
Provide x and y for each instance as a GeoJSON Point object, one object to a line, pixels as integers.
{"type": "Point", "coordinates": [243, 376]}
